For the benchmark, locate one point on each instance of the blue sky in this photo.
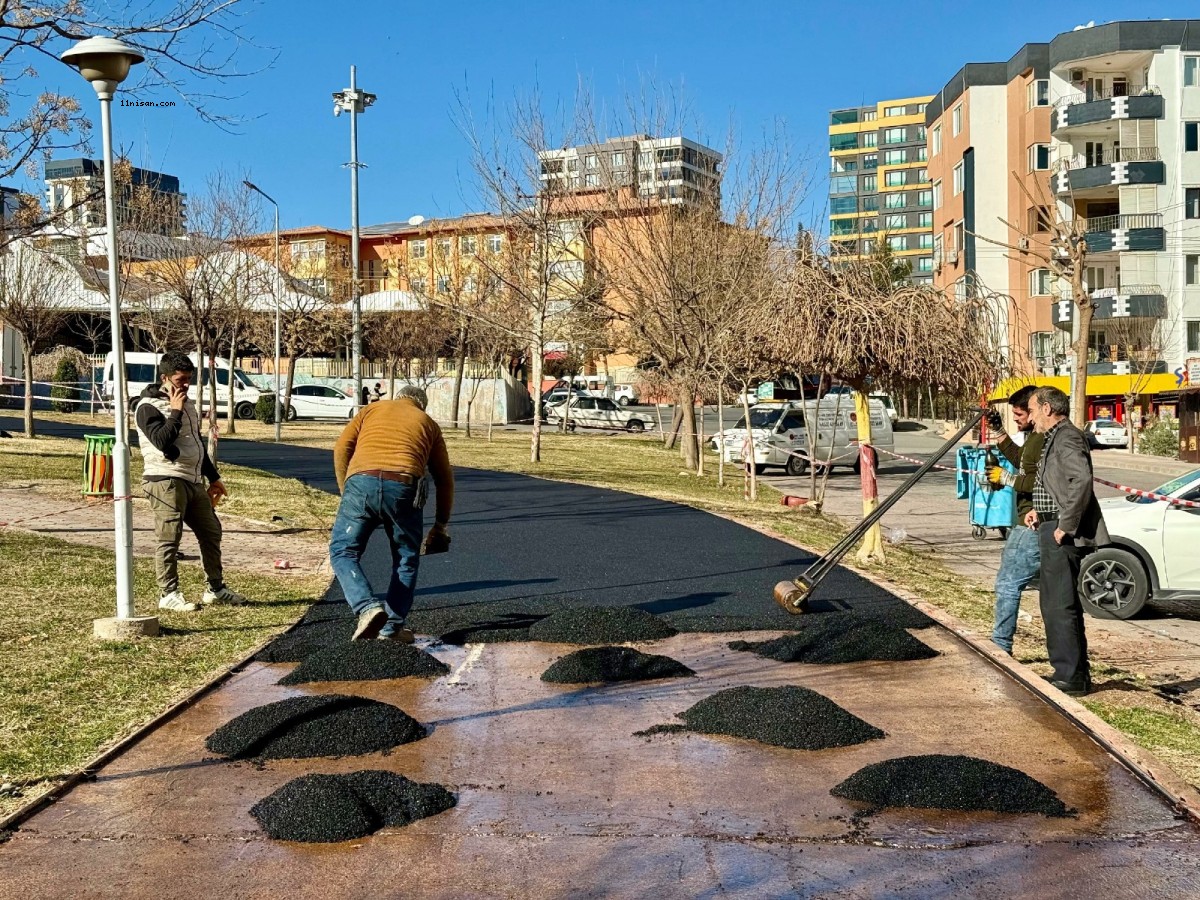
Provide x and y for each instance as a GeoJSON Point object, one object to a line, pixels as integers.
{"type": "Point", "coordinates": [748, 64]}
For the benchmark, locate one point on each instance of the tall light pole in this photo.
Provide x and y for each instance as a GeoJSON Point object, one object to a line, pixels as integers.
{"type": "Point", "coordinates": [105, 63]}
{"type": "Point", "coordinates": [354, 101]}
{"type": "Point", "coordinates": [278, 293]}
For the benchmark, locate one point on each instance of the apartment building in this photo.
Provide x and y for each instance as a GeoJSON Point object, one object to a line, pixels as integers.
{"type": "Point", "coordinates": [879, 188]}
{"type": "Point", "coordinates": [75, 188]}
{"type": "Point", "coordinates": [672, 169]}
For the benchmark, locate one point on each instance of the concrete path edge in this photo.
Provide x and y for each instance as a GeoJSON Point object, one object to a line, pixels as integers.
{"type": "Point", "coordinates": [1156, 774]}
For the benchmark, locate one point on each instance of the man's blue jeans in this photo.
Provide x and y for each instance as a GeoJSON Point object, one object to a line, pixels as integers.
{"type": "Point", "coordinates": [1019, 564]}
{"type": "Point", "coordinates": [369, 502]}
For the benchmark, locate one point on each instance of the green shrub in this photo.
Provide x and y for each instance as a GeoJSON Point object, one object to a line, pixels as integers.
{"type": "Point", "coordinates": [264, 409]}
{"type": "Point", "coordinates": [1160, 439]}
{"type": "Point", "coordinates": [64, 395]}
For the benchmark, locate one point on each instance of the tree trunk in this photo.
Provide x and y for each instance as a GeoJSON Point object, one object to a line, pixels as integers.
{"type": "Point", "coordinates": [872, 545]}
{"type": "Point", "coordinates": [291, 378]}
{"type": "Point", "coordinates": [1084, 310]}
{"type": "Point", "coordinates": [391, 377]}
{"type": "Point", "coordinates": [458, 375]}
{"type": "Point", "coordinates": [470, 403]}
{"type": "Point", "coordinates": [687, 443]}
{"type": "Point", "coordinates": [700, 442]}
{"type": "Point", "coordinates": [27, 356]}
{"type": "Point", "coordinates": [748, 449]}
{"type": "Point", "coordinates": [676, 422]}
{"type": "Point", "coordinates": [720, 437]}
{"type": "Point", "coordinates": [231, 400]}
{"type": "Point", "coordinates": [213, 431]}
{"type": "Point", "coordinates": [535, 446]}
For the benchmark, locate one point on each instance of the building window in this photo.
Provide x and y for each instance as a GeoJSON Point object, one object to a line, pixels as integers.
{"type": "Point", "coordinates": [569, 270]}
{"type": "Point", "coordinates": [1191, 71]}
{"type": "Point", "coordinates": [893, 110]}
{"type": "Point", "coordinates": [842, 226]}
{"type": "Point", "coordinates": [867, 226]}
{"type": "Point", "coordinates": [960, 236]}
{"type": "Point", "coordinates": [898, 243]}
{"type": "Point", "coordinates": [894, 201]}
{"type": "Point", "coordinates": [925, 264]}
{"type": "Point", "coordinates": [590, 161]}
{"type": "Point", "coordinates": [925, 220]}
{"type": "Point", "coordinates": [922, 176]}
{"type": "Point", "coordinates": [922, 154]}
{"type": "Point", "coordinates": [936, 140]}
{"type": "Point", "coordinates": [1039, 283]}
{"type": "Point", "coordinates": [870, 115]}
{"type": "Point", "coordinates": [470, 284]}
{"type": "Point", "coordinates": [841, 184]}
{"type": "Point", "coordinates": [870, 203]}
{"type": "Point", "coordinates": [443, 284]}
{"type": "Point", "coordinates": [870, 161]}
{"type": "Point", "coordinates": [416, 249]}
{"type": "Point", "coordinates": [417, 285]}
{"type": "Point", "coordinates": [894, 157]}
{"type": "Point", "coordinates": [840, 205]}
{"type": "Point", "coordinates": [925, 242]}
{"type": "Point", "coordinates": [870, 183]}
{"type": "Point", "coordinates": [925, 198]}
{"type": "Point", "coordinates": [1191, 136]}
{"type": "Point", "coordinates": [956, 121]}
{"type": "Point", "coordinates": [442, 245]}
{"type": "Point", "coordinates": [937, 195]}
{"type": "Point", "coordinates": [1039, 92]}
{"type": "Point", "coordinates": [895, 221]}
{"type": "Point", "coordinates": [1191, 203]}
{"type": "Point", "coordinates": [466, 245]}
{"type": "Point", "coordinates": [894, 179]}
{"type": "Point", "coordinates": [1193, 269]}
{"type": "Point", "coordinates": [921, 107]}
{"type": "Point", "coordinates": [1193, 337]}
{"type": "Point", "coordinates": [495, 243]}
{"type": "Point", "coordinates": [920, 132]}
{"type": "Point", "coordinates": [893, 136]}
{"type": "Point", "coordinates": [868, 247]}
{"type": "Point", "coordinates": [591, 179]}
{"type": "Point", "coordinates": [573, 164]}
{"type": "Point", "coordinates": [870, 138]}
{"type": "Point", "coordinates": [1039, 157]}
{"type": "Point", "coordinates": [308, 249]}
{"type": "Point", "coordinates": [1038, 219]}
{"type": "Point", "coordinates": [618, 159]}
{"type": "Point", "coordinates": [958, 179]}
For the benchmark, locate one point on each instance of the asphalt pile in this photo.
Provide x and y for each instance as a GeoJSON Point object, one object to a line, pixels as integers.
{"type": "Point", "coordinates": [366, 661]}
{"type": "Point", "coordinates": [600, 625]}
{"type": "Point", "coordinates": [841, 638]}
{"type": "Point", "coordinates": [325, 625]}
{"type": "Point", "coordinates": [304, 727]}
{"type": "Point", "coordinates": [792, 717]}
{"type": "Point", "coordinates": [331, 808]}
{"type": "Point", "coordinates": [950, 782]}
{"type": "Point", "coordinates": [612, 664]}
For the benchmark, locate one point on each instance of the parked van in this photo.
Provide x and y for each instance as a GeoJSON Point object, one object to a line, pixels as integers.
{"type": "Point", "coordinates": [141, 370]}
{"type": "Point", "coordinates": [780, 430]}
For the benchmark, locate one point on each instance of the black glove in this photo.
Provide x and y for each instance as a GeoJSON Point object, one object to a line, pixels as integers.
{"type": "Point", "coordinates": [994, 420]}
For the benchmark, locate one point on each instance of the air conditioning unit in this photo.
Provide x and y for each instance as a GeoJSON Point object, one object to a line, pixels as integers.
{"type": "Point", "coordinates": [1023, 243]}
{"type": "Point", "coordinates": [952, 256]}
{"type": "Point", "coordinates": [1078, 76]}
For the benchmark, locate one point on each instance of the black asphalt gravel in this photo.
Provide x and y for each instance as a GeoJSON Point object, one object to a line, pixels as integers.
{"type": "Point", "coordinates": [304, 727]}
{"type": "Point", "coordinates": [331, 808]}
{"type": "Point", "coordinates": [792, 717]}
{"type": "Point", "coordinates": [366, 661]}
{"type": "Point", "coordinates": [697, 571]}
{"type": "Point", "coordinates": [949, 782]}
{"type": "Point", "coordinates": [600, 625]}
{"type": "Point", "coordinates": [612, 664]}
{"type": "Point", "coordinates": [841, 638]}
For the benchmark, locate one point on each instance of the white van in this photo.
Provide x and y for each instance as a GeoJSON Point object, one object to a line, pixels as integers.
{"type": "Point", "coordinates": [780, 431]}
{"type": "Point", "coordinates": [141, 370]}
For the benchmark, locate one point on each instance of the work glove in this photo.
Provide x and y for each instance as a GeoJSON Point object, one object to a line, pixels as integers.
{"type": "Point", "coordinates": [437, 541]}
{"type": "Point", "coordinates": [998, 477]}
{"type": "Point", "coordinates": [994, 420]}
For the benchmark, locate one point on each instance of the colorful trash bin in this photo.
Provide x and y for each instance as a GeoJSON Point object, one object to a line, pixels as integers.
{"type": "Point", "coordinates": [98, 465]}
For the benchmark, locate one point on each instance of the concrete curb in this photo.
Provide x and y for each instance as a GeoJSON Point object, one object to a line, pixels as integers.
{"type": "Point", "coordinates": [1144, 765]}
{"type": "Point", "coordinates": [1153, 464]}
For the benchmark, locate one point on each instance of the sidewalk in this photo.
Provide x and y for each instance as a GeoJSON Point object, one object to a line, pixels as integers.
{"type": "Point", "coordinates": [248, 545]}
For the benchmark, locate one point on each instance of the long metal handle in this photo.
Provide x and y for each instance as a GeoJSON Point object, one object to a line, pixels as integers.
{"type": "Point", "coordinates": [794, 600]}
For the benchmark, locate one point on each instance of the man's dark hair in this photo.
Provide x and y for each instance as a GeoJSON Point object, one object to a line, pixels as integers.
{"type": "Point", "coordinates": [1021, 397]}
{"type": "Point", "coordinates": [1060, 403]}
{"type": "Point", "coordinates": [172, 362]}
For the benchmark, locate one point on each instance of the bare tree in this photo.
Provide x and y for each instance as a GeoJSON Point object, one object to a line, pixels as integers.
{"type": "Point", "coordinates": [1138, 344]}
{"type": "Point", "coordinates": [32, 288]}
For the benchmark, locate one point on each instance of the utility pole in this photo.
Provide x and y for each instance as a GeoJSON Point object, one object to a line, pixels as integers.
{"type": "Point", "coordinates": [354, 101]}
{"type": "Point", "coordinates": [1068, 258]}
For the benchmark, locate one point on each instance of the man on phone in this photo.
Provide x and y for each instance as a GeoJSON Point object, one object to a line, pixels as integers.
{"type": "Point", "coordinates": [176, 466]}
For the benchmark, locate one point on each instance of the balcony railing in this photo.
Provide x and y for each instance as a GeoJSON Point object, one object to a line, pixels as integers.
{"type": "Point", "coordinates": [1082, 94]}
{"type": "Point", "coordinates": [1113, 155]}
{"type": "Point", "coordinates": [1125, 221]}
{"type": "Point", "coordinates": [1125, 290]}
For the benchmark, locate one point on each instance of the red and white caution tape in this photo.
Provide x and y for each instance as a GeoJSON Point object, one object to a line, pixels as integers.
{"type": "Point", "coordinates": [59, 512]}
{"type": "Point", "coordinates": [1149, 495]}
{"type": "Point", "coordinates": [921, 462]}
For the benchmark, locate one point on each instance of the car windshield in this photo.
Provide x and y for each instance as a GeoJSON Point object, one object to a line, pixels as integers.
{"type": "Point", "coordinates": [1175, 485]}
{"type": "Point", "coordinates": [761, 418]}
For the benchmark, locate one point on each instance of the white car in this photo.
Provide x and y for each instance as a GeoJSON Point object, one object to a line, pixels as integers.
{"type": "Point", "coordinates": [1106, 433]}
{"type": "Point", "coordinates": [1152, 552]}
{"type": "Point", "coordinates": [598, 412]}
{"type": "Point", "coordinates": [318, 401]}
{"type": "Point", "coordinates": [625, 394]}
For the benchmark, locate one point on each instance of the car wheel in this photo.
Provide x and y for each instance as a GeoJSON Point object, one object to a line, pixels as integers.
{"type": "Point", "coordinates": [857, 467]}
{"type": "Point", "coordinates": [291, 413]}
{"type": "Point", "coordinates": [1113, 584]}
{"type": "Point", "coordinates": [636, 426]}
{"type": "Point", "coordinates": [759, 468]}
{"type": "Point", "coordinates": [797, 465]}
{"type": "Point", "coordinates": [244, 411]}
{"type": "Point", "coordinates": [624, 401]}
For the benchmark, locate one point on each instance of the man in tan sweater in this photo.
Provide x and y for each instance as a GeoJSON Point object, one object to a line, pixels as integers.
{"type": "Point", "coordinates": [380, 460]}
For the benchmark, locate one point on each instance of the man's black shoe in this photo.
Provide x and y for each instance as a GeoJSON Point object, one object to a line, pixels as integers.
{"type": "Point", "coordinates": [1073, 689]}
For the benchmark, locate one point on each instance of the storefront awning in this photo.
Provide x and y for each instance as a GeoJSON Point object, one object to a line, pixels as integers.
{"type": "Point", "coordinates": [1097, 385]}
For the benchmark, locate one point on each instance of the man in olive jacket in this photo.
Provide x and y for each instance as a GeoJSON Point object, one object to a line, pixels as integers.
{"type": "Point", "coordinates": [1069, 523]}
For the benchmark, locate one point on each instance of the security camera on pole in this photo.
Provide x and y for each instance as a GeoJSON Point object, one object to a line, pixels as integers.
{"type": "Point", "coordinates": [354, 101]}
{"type": "Point", "coordinates": [105, 63]}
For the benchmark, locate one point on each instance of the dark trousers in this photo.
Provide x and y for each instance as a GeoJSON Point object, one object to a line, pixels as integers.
{"type": "Point", "coordinates": [1062, 613]}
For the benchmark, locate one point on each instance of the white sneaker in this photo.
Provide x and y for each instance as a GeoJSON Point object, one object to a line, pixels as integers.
{"type": "Point", "coordinates": [174, 601]}
{"type": "Point", "coordinates": [223, 597]}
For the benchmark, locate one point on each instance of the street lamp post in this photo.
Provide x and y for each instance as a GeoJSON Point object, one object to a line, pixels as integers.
{"type": "Point", "coordinates": [105, 63]}
{"type": "Point", "coordinates": [278, 293]}
{"type": "Point", "coordinates": [354, 101]}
